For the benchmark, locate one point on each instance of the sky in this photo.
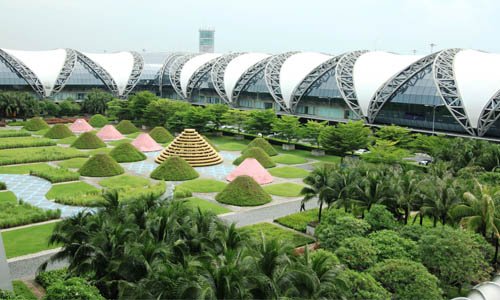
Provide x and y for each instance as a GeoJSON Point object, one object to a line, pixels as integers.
{"type": "Point", "coordinates": [271, 26]}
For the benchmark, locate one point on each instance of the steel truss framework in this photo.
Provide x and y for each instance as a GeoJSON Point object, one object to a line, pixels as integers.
{"type": "Point", "coordinates": [66, 71]}
{"type": "Point", "coordinates": [165, 67]}
{"type": "Point", "coordinates": [99, 72]}
{"type": "Point", "coordinates": [217, 74]}
{"type": "Point", "coordinates": [24, 72]}
{"type": "Point", "coordinates": [175, 72]}
{"type": "Point", "coordinates": [489, 115]}
{"type": "Point", "coordinates": [135, 75]}
{"type": "Point", "coordinates": [196, 79]}
{"type": "Point", "coordinates": [249, 77]}
{"type": "Point", "coordinates": [272, 77]}
{"type": "Point", "coordinates": [444, 78]}
{"type": "Point", "coordinates": [310, 81]}
{"type": "Point", "coordinates": [345, 81]}
{"type": "Point", "coordinates": [385, 93]}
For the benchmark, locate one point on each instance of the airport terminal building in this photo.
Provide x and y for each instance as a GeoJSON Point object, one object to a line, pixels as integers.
{"type": "Point", "coordinates": [452, 90]}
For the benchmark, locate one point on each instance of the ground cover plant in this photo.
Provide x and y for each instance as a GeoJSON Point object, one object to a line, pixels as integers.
{"type": "Point", "coordinates": [243, 191]}
{"type": "Point", "coordinates": [125, 152]}
{"type": "Point", "coordinates": [58, 131]}
{"type": "Point", "coordinates": [203, 185]}
{"type": "Point", "coordinates": [101, 165]}
{"type": "Point", "coordinates": [100, 151]}
{"type": "Point", "coordinates": [288, 172]}
{"type": "Point", "coordinates": [22, 291]}
{"type": "Point", "coordinates": [7, 197]}
{"type": "Point", "coordinates": [258, 154]}
{"type": "Point", "coordinates": [126, 127]}
{"type": "Point", "coordinates": [13, 133]}
{"type": "Point", "coordinates": [23, 169]}
{"type": "Point", "coordinates": [88, 140]}
{"type": "Point", "coordinates": [13, 213]}
{"type": "Point", "coordinates": [73, 163]}
{"type": "Point", "coordinates": [98, 121]}
{"type": "Point", "coordinates": [133, 135]}
{"type": "Point", "coordinates": [286, 189]}
{"type": "Point", "coordinates": [55, 175]}
{"type": "Point", "coordinates": [298, 221]}
{"type": "Point", "coordinates": [38, 154]}
{"type": "Point", "coordinates": [289, 159]}
{"type": "Point", "coordinates": [67, 141]}
{"type": "Point", "coordinates": [125, 180]}
{"type": "Point", "coordinates": [35, 124]}
{"type": "Point", "coordinates": [206, 206]}
{"type": "Point", "coordinates": [161, 135]}
{"type": "Point", "coordinates": [28, 240]}
{"type": "Point", "coordinates": [274, 232]}
{"type": "Point", "coordinates": [174, 168]}
{"type": "Point", "coordinates": [264, 145]}
{"type": "Point", "coordinates": [24, 142]}
{"type": "Point", "coordinates": [70, 189]}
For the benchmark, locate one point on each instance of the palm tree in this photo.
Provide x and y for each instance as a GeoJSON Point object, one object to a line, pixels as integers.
{"type": "Point", "coordinates": [369, 190]}
{"type": "Point", "coordinates": [440, 196]}
{"type": "Point", "coordinates": [319, 181]}
{"type": "Point", "coordinates": [404, 192]}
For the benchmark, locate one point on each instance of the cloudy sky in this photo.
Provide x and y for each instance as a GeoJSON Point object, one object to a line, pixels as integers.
{"type": "Point", "coordinates": [256, 25]}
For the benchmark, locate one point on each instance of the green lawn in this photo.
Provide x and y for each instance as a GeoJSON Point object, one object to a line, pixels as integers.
{"type": "Point", "coordinates": [205, 205]}
{"type": "Point", "coordinates": [14, 214]}
{"type": "Point", "coordinates": [69, 189]}
{"type": "Point", "coordinates": [288, 172]}
{"type": "Point", "coordinates": [133, 135]}
{"type": "Point", "coordinates": [286, 189]}
{"type": "Point", "coordinates": [119, 142]}
{"type": "Point", "coordinates": [38, 154]}
{"type": "Point", "coordinates": [67, 141]}
{"type": "Point", "coordinates": [23, 169]}
{"type": "Point", "coordinates": [22, 291]}
{"type": "Point", "coordinates": [24, 142]}
{"type": "Point", "coordinates": [41, 132]}
{"type": "Point", "coordinates": [124, 181]}
{"type": "Point", "coordinates": [13, 133]}
{"type": "Point", "coordinates": [226, 143]}
{"type": "Point", "coordinates": [202, 185]}
{"type": "Point", "coordinates": [73, 163]}
{"type": "Point", "coordinates": [307, 154]}
{"type": "Point", "coordinates": [100, 151]}
{"type": "Point", "coordinates": [271, 231]}
{"type": "Point", "coordinates": [289, 159]}
{"type": "Point", "coordinates": [299, 221]}
{"type": "Point", "coordinates": [28, 240]}
{"type": "Point", "coordinates": [7, 197]}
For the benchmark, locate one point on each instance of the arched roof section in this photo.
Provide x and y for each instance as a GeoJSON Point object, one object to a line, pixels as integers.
{"type": "Point", "coordinates": [192, 66]}
{"type": "Point", "coordinates": [373, 69]}
{"type": "Point", "coordinates": [295, 69]}
{"type": "Point", "coordinates": [237, 67]}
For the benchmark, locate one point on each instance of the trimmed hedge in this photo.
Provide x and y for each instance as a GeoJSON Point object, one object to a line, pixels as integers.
{"type": "Point", "coordinates": [3, 186]}
{"type": "Point", "coordinates": [243, 191]}
{"type": "Point", "coordinates": [161, 135]}
{"type": "Point", "coordinates": [125, 152]}
{"type": "Point", "coordinates": [59, 131]}
{"type": "Point", "coordinates": [35, 124]}
{"type": "Point", "coordinates": [174, 168]}
{"type": "Point", "coordinates": [48, 278]}
{"type": "Point", "coordinates": [38, 154]}
{"type": "Point", "coordinates": [13, 133]}
{"type": "Point", "coordinates": [101, 165]}
{"type": "Point", "coordinates": [98, 120]}
{"type": "Point", "coordinates": [257, 153]}
{"type": "Point", "coordinates": [126, 127]}
{"type": "Point", "coordinates": [88, 140]}
{"type": "Point", "coordinates": [25, 142]}
{"type": "Point", "coordinates": [17, 214]}
{"type": "Point", "coordinates": [264, 145]}
{"type": "Point", "coordinates": [55, 175]}
{"type": "Point", "coordinates": [73, 288]}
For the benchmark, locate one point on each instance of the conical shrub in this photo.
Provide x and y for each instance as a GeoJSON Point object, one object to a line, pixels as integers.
{"type": "Point", "coordinates": [126, 127]}
{"type": "Point", "coordinates": [243, 191]}
{"type": "Point", "coordinates": [98, 120]}
{"type": "Point", "coordinates": [174, 168]}
{"type": "Point", "coordinates": [88, 140]}
{"type": "Point", "coordinates": [264, 145]}
{"type": "Point", "coordinates": [126, 153]}
{"type": "Point", "coordinates": [257, 153]}
{"type": "Point", "coordinates": [35, 124]}
{"type": "Point", "coordinates": [58, 131]}
{"type": "Point", "coordinates": [161, 135]}
{"type": "Point", "coordinates": [101, 165]}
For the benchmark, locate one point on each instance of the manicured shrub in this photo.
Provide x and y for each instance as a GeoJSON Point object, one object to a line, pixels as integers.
{"type": "Point", "coordinates": [357, 253]}
{"type": "Point", "coordinates": [75, 288]}
{"type": "Point", "coordinates": [101, 165]}
{"type": "Point", "coordinates": [380, 218]}
{"type": "Point", "coordinates": [3, 186]}
{"type": "Point", "coordinates": [258, 154]}
{"type": "Point", "coordinates": [299, 221]}
{"type": "Point", "coordinates": [16, 214]}
{"type": "Point", "coordinates": [55, 175]}
{"type": "Point", "coordinates": [88, 140]}
{"type": "Point", "coordinates": [264, 145]}
{"type": "Point", "coordinates": [174, 168]}
{"type": "Point", "coordinates": [48, 278]}
{"type": "Point", "coordinates": [332, 232]}
{"type": "Point", "coordinates": [35, 124]}
{"type": "Point", "coordinates": [98, 120]}
{"type": "Point", "coordinates": [13, 133]}
{"type": "Point", "coordinates": [181, 192]}
{"type": "Point", "coordinates": [58, 131]}
{"type": "Point", "coordinates": [243, 191]}
{"type": "Point", "coordinates": [126, 127]}
{"type": "Point", "coordinates": [25, 142]}
{"type": "Point", "coordinates": [390, 245]}
{"type": "Point", "coordinates": [38, 154]}
{"type": "Point", "coordinates": [161, 135]}
{"type": "Point", "coordinates": [360, 286]}
{"type": "Point", "coordinates": [125, 152]}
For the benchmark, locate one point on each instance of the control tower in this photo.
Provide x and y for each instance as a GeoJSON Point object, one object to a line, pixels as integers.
{"type": "Point", "coordinates": [207, 40]}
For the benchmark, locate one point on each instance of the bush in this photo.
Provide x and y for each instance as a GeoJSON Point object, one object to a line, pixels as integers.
{"type": "Point", "coordinates": [38, 154]}
{"type": "Point", "coordinates": [22, 291]}
{"type": "Point", "coordinates": [90, 199]}
{"type": "Point", "coordinates": [161, 135]}
{"type": "Point", "coordinates": [73, 288]}
{"type": "Point", "coordinates": [21, 213]}
{"type": "Point", "coordinates": [413, 232]}
{"type": "Point", "coordinates": [299, 221]}
{"type": "Point", "coordinates": [55, 175]}
{"type": "Point", "coordinates": [58, 131]}
{"type": "Point", "coordinates": [380, 218]}
{"type": "Point", "coordinates": [13, 133]}
{"type": "Point", "coordinates": [3, 186]}
{"type": "Point", "coordinates": [264, 145]}
{"type": "Point", "coordinates": [360, 286]}
{"type": "Point", "coordinates": [181, 192]}
{"type": "Point", "coordinates": [331, 234]}
{"type": "Point", "coordinates": [357, 253]}
{"type": "Point", "coordinates": [126, 127]}
{"type": "Point", "coordinates": [258, 154]}
{"type": "Point", "coordinates": [48, 278]}
{"type": "Point", "coordinates": [88, 140]}
{"type": "Point", "coordinates": [8, 295]}
{"type": "Point", "coordinates": [25, 142]}
{"type": "Point", "coordinates": [125, 152]}
{"type": "Point", "coordinates": [101, 165]}
{"type": "Point", "coordinates": [390, 245]}
{"type": "Point", "coordinates": [243, 191]}
{"type": "Point", "coordinates": [174, 168]}
{"type": "Point", "coordinates": [35, 124]}
{"type": "Point", "coordinates": [98, 120]}
{"type": "Point", "coordinates": [406, 279]}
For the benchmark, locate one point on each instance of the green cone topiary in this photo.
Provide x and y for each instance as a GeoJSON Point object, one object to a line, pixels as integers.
{"type": "Point", "coordinates": [258, 154]}
{"type": "Point", "coordinates": [174, 168]}
{"type": "Point", "coordinates": [243, 191]}
{"type": "Point", "coordinates": [161, 135]}
{"type": "Point", "coordinates": [264, 145]}
{"type": "Point", "coordinates": [58, 131]}
{"type": "Point", "coordinates": [35, 124]}
{"type": "Point", "coordinates": [126, 127]}
{"type": "Point", "coordinates": [88, 140]}
{"type": "Point", "coordinates": [101, 165]}
{"type": "Point", "coordinates": [98, 120]}
{"type": "Point", "coordinates": [125, 152]}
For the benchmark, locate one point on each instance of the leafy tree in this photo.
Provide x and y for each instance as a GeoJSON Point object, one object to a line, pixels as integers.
{"type": "Point", "coordinates": [360, 286]}
{"type": "Point", "coordinates": [196, 117]}
{"type": "Point", "coordinates": [216, 112]}
{"type": "Point", "coordinates": [345, 137]}
{"type": "Point", "coordinates": [50, 108]}
{"type": "Point", "coordinates": [68, 108]}
{"type": "Point", "coordinates": [389, 244]}
{"type": "Point", "coordinates": [138, 103]}
{"type": "Point", "coordinates": [380, 218]}
{"type": "Point", "coordinates": [399, 135]}
{"type": "Point", "coordinates": [95, 101]}
{"type": "Point", "coordinates": [288, 127]}
{"type": "Point", "coordinates": [313, 130]}
{"type": "Point", "coordinates": [158, 112]}
{"type": "Point", "coordinates": [385, 152]}
{"type": "Point", "coordinates": [260, 121]}
{"type": "Point", "coordinates": [338, 228]}
{"type": "Point", "coordinates": [235, 117]}
{"type": "Point", "coordinates": [357, 253]}
{"type": "Point", "coordinates": [115, 109]}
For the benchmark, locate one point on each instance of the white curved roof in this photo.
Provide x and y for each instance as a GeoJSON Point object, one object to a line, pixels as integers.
{"type": "Point", "coordinates": [477, 76]}
{"type": "Point", "coordinates": [373, 69]}
{"type": "Point", "coordinates": [46, 65]}
{"type": "Point", "coordinates": [236, 67]}
{"type": "Point", "coordinates": [119, 65]}
{"type": "Point", "coordinates": [192, 65]}
{"type": "Point", "coordinates": [296, 68]}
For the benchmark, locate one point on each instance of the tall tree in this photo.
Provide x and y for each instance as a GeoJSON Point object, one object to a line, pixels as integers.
{"type": "Point", "coordinates": [345, 137]}
{"type": "Point", "coordinates": [260, 121]}
{"type": "Point", "coordinates": [288, 127]}
{"type": "Point", "coordinates": [216, 112]}
{"type": "Point", "coordinates": [319, 187]}
{"type": "Point", "coordinates": [236, 117]}
{"type": "Point", "coordinates": [138, 103]}
{"type": "Point", "coordinates": [313, 130]}
{"type": "Point", "coordinates": [95, 101]}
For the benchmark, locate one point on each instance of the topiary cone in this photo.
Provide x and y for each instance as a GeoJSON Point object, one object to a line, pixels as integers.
{"type": "Point", "coordinates": [58, 131]}
{"type": "Point", "coordinates": [174, 168]}
{"type": "Point", "coordinates": [88, 140]}
{"type": "Point", "coordinates": [35, 124]}
{"type": "Point", "coordinates": [264, 145]}
{"type": "Point", "coordinates": [243, 191]}
{"type": "Point", "coordinates": [126, 153]}
{"type": "Point", "coordinates": [161, 135]}
{"type": "Point", "coordinates": [257, 153]}
{"type": "Point", "coordinates": [98, 120]}
{"type": "Point", "coordinates": [101, 165]}
{"type": "Point", "coordinates": [126, 127]}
